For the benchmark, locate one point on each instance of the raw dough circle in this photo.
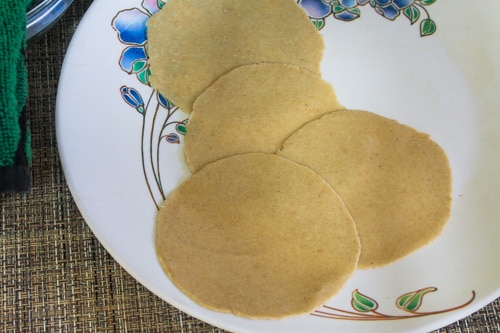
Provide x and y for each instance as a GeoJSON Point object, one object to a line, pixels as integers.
{"type": "Point", "coordinates": [395, 181]}
{"type": "Point", "coordinates": [254, 108]}
{"type": "Point", "coordinates": [257, 235]}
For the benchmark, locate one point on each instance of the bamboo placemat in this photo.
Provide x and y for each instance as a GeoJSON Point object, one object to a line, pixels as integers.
{"type": "Point", "coordinates": [55, 275]}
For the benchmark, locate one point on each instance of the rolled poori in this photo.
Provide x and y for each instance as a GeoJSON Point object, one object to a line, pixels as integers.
{"type": "Point", "coordinates": [395, 181]}
{"type": "Point", "coordinates": [257, 235]}
{"type": "Point", "coordinates": [192, 43]}
{"type": "Point", "coordinates": [254, 108]}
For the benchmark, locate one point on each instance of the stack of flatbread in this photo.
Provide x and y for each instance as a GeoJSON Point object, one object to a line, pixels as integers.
{"type": "Point", "coordinates": [290, 191]}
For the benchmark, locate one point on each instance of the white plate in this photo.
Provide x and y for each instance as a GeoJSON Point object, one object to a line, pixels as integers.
{"type": "Point", "coordinates": [444, 84]}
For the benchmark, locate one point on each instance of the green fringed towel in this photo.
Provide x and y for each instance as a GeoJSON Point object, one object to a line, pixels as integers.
{"type": "Point", "coordinates": [15, 152]}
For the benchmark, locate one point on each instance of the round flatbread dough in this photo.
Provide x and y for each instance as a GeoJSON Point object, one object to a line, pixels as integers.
{"type": "Point", "coordinates": [395, 181]}
{"type": "Point", "coordinates": [192, 43]}
{"type": "Point", "coordinates": [254, 108]}
{"type": "Point", "coordinates": [257, 235]}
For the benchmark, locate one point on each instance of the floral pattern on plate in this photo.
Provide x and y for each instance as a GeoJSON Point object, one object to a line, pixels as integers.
{"type": "Point", "coordinates": [366, 308]}
{"type": "Point", "coordinates": [348, 10]}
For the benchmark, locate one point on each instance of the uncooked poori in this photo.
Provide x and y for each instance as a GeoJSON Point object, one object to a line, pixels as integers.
{"type": "Point", "coordinates": [264, 232]}
{"type": "Point", "coordinates": [395, 181]}
{"type": "Point", "coordinates": [257, 235]}
{"type": "Point", "coordinates": [254, 108]}
{"type": "Point", "coordinates": [192, 43]}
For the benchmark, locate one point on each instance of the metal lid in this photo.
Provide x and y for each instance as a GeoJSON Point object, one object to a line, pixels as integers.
{"type": "Point", "coordinates": [43, 14]}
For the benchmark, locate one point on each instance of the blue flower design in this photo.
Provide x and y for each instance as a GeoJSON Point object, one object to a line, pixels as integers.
{"type": "Point", "coordinates": [166, 103]}
{"type": "Point", "coordinates": [391, 9]}
{"type": "Point", "coordinates": [130, 24]}
{"type": "Point", "coordinates": [316, 9]}
{"type": "Point", "coordinates": [348, 10]}
{"type": "Point", "coordinates": [132, 98]}
{"type": "Point", "coordinates": [349, 3]}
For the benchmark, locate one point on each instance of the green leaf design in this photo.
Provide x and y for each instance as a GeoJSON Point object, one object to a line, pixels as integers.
{"type": "Point", "coordinates": [363, 303]}
{"type": "Point", "coordinates": [412, 13]}
{"type": "Point", "coordinates": [400, 302]}
{"type": "Point", "coordinates": [138, 66]}
{"type": "Point", "coordinates": [427, 27]}
{"type": "Point", "coordinates": [319, 24]}
{"type": "Point", "coordinates": [337, 7]}
{"type": "Point", "coordinates": [427, 2]}
{"type": "Point", "coordinates": [144, 76]}
{"type": "Point", "coordinates": [181, 128]}
{"type": "Point", "coordinates": [411, 302]}
{"type": "Point", "coordinates": [355, 11]}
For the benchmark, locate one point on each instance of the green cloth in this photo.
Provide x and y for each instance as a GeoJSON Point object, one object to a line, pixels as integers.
{"type": "Point", "coordinates": [15, 153]}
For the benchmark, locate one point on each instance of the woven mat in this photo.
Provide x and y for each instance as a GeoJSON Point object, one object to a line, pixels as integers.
{"type": "Point", "coordinates": [55, 275]}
